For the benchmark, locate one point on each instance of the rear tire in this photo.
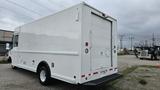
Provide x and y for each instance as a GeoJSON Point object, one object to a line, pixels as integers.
{"type": "Point", "coordinates": [9, 60]}
{"type": "Point", "coordinates": [13, 67]}
{"type": "Point", "coordinates": [141, 58]}
{"type": "Point", "coordinates": [44, 75]}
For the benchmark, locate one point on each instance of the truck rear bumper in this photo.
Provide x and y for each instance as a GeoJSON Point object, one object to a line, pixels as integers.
{"type": "Point", "coordinates": [102, 80]}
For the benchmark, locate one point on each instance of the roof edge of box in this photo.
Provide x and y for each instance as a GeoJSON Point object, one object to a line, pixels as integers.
{"type": "Point", "coordinates": [84, 3]}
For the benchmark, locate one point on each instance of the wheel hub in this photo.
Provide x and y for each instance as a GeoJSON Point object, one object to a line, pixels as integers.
{"type": "Point", "coordinates": [43, 75]}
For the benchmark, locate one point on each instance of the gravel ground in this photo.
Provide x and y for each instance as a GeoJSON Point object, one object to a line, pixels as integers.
{"type": "Point", "coordinates": [24, 80]}
{"type": "Point", "coordinates": [130, 60]}
{"type": "Point", "coordinates": [20, 79]}
{"type": "Point", "coordinates": [142, 78]}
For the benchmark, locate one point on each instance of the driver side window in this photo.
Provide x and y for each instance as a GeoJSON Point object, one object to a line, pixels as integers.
{"type": "Point", "coordinates": [15, 40]}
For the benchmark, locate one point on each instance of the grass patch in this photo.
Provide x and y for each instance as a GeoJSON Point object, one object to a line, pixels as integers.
{"type": "Point", "coordinates": [4, 62]}
{"type": "Point", "coordinates": [124, 73]}
{"type": "Point", "coordinates": [112, 85]}
{"type": "Point", "coordinates": [148, 66]}
{"type": "Point", "coordinates": [120, 54]}
{"type": "Point", "coordinates": [129, 70]}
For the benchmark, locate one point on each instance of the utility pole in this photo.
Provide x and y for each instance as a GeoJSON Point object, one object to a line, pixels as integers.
{"type": "Point", "coordinates": [153, 40]}
{"type": "Point", "coordinates": [146, 43]}
{"type": "Point", "coordinates": [131, 40]}
{"type": "Point", "coordinates": [121, 41]}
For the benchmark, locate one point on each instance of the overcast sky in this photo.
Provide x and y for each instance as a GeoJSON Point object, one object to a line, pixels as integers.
{"type": "Point", "coordinates": [134, 16]}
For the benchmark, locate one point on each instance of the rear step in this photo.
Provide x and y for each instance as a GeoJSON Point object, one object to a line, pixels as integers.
{"type": "Point", "coordinates": [103, 80]}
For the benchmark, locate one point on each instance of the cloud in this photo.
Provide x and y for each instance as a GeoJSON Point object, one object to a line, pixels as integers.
{"type": "Point", "coordinates": [14, 13]}
{"type": "Point", "coordinates": [134, 16]}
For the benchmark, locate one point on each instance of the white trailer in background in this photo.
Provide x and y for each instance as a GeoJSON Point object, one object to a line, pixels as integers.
{"type": "Point", "coordinates": [76, 45]}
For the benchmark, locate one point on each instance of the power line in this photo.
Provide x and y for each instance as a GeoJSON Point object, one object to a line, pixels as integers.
{"type": "Point", "coordinates": [42, 5]}
{"type": "Point", "coordinates": [15, 12]}
{"type": "Point", "coordinates": [52, 1]}
{"type": "Point", "coordinates": [23, 7]}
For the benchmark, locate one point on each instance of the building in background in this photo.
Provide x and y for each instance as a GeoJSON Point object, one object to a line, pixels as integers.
{"type": "Point", "coordinates": [5, 41]}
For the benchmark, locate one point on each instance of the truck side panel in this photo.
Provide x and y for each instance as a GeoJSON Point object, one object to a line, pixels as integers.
{"type": "Point", "coordinates": [54, 39]}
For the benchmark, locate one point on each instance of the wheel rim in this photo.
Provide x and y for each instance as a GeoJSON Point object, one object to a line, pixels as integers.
{"type": "Point", "coordinates": [43, 75]}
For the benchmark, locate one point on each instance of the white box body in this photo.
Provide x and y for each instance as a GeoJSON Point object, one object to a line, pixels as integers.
{"type": "Point", "coordinates": [80, 41]}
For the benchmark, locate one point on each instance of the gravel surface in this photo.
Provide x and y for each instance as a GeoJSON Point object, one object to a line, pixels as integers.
{"type": "Point", "coordinates": [142, 78]}
{"type": "Point", "coordinates": [24, 80]}
{"type": "Point", "coordinates": [20, 79]}
{"type": "Point", "coordinates": [130, 60]}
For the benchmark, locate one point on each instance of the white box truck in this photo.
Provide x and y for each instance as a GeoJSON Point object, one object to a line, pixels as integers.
{"type": "Point", "coordinates": [76, 45]}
